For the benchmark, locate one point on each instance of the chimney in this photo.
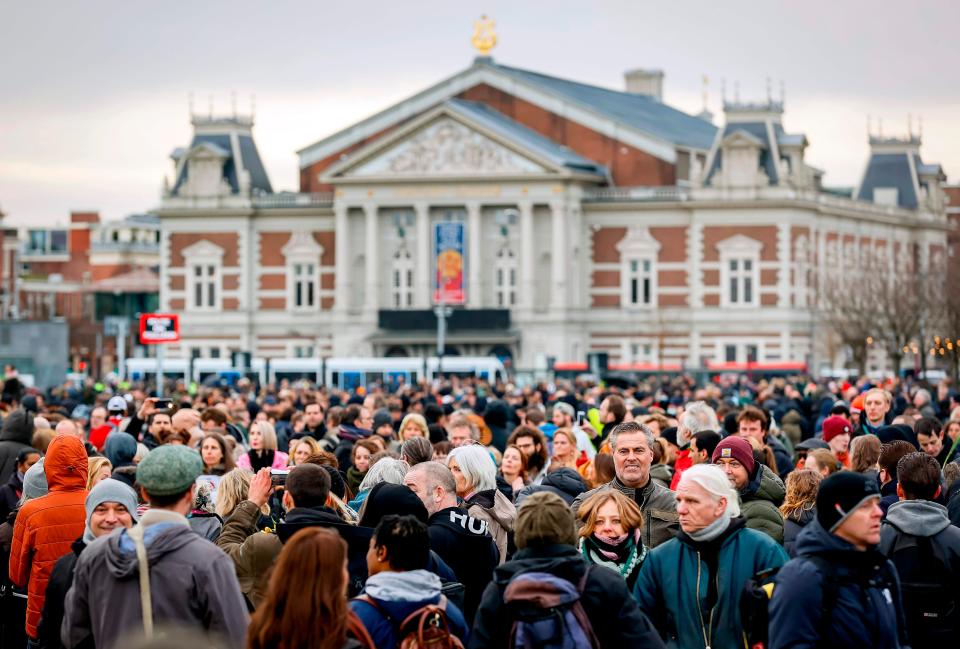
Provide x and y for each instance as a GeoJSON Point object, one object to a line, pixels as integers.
{"type": "Point", "coordinates": [645, 82]}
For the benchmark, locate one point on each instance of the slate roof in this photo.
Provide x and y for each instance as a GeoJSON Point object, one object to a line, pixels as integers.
{"type": "Point", "coordinates": [757, 130]}
{"type": "Point", "coordinates": [220, 142]}
{"type": "Point", "coordinates": [524, 137]}
{"type": "Point", "coordinates": [638, 111]}
{"type": "Point", "coordinates": [890, 170]}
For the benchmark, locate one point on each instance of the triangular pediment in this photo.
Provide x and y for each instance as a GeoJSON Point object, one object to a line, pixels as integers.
{"type": "Point", "coordinates": [741, 138]}
{"type": "Point", "coordinates": [444, 144]}
{"type": "Point", "coordinates": [203, 249]}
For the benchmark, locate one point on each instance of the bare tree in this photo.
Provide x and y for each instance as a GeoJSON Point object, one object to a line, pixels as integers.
{"type": "Point", "coordinates": [848, 308]}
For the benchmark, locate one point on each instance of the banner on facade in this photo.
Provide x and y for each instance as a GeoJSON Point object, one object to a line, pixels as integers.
{"type": "Point", "coordinates": [448, 250]}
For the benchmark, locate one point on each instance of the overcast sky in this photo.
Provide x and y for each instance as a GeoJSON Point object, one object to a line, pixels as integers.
{"type": "Point", "coordinates": [94, 94]}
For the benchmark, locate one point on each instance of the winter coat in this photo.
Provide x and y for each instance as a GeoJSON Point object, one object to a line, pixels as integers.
{"type": "Point", "coordinates": [15, 435]}
{"type": "Point", "coordinates": [865, 612]}
{"type": "Point", "coordinates": [760, 501]}
{"type": "Point", "coordinates": [565, 482]}
{"type": "Point", "coordinates": [683, 578]}
{"type": "Point", "coordinates": [47, 526]}
{"type": "Point", "coordinates": [192, 585]}
{"type": "Point", "coordinates": [206, 525]}
{"type": "Point", "coordinates": [13, 607]}
{"type": "Point", "coordinates": [662, 474]}
{"type": "Point", "coordinates": [657, 504]}
{"type": "Point", "coordinates": [495, 417]}
{"type": "Point", "coordinates": [463, 543]}
{"type": "Point", "coordinates": [792, 426]}
{"type": "Point", "coordinates": [499, 513]}
{"type": "Point", "coordinates": [793, 525]}
{"type": "Point", "coordinates": [784, 459]}
{"type": "Point", "coordinates": [953, 503]}
{"type": "Point", "coordinates": [10, 494]}
{"type": "Point", "coordinates": [252, 552]}
{"type": "Point", "coordinates": [395, 595]}
{"type": "Point", "coordinates": [615, 617]}
{"type": "Point", "coordinates": [61, 579]}
{"type": "Point", "coordinates": [629, 569]}
{"type": "Point", "coordinates": [280, 461]}
{"type": "Point", "coordinates": [922, 518]}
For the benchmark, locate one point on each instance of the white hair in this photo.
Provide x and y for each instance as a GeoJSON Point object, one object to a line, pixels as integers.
{"type": "Point", "coordinates": [715, 482]}
{"type": "Point", "coordinates": [385, 469]}
{"type": "Point", "coordinates": [696, 418]}
{"type": "Point", "coordinates": [476, 465]}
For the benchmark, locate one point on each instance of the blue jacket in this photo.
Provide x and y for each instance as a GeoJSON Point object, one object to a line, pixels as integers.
{"type": "Point", "coordinates": [865, 611]}
{"type": "Point", "coordinates": [680, 585]}
{"type": "Point", "coordinates": [397, 595]}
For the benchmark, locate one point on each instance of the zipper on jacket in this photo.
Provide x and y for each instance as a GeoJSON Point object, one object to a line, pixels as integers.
{"type": "Point", "coordinates": [706, 637]}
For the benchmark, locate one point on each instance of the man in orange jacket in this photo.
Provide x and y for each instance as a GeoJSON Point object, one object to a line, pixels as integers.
{"type": "Point", "coordinates": [47, 526]}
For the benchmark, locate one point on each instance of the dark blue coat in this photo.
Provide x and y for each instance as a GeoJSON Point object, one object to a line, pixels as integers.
{"type": "Point", "coordinates": [865, 612]}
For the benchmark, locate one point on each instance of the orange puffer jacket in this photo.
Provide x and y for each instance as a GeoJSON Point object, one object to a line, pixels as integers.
{"type": "Point", "coordinates": [47, 526]}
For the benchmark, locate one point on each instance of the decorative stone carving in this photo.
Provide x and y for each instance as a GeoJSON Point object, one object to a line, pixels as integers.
{"type": "Point", "coordinates": [447, 147]}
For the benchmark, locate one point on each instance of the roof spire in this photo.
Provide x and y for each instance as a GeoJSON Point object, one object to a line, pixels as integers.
{"type": "Point", "coordinates": [869, 127]}
{"type": "Point", "coordinates": [769, 92]}
{"type": "Point", "coordinates": [484, 39]}
{"type": "Point", "coordinates": [783, 93]}
{"type": "Point", "coordinates": [910, 126]}
{"type": "Point", "coordinates": [736, 92]}
{"type": "Point", "coordinates": [210, 105]}
{"type": "Point", "coordinates": [233, 103]}
{"type": "Point", "coordinates": [190, 103]}
{"type": "Point", "coordinates": [705, 80]}
{"type": "Point", "coordinates": [723, 89]}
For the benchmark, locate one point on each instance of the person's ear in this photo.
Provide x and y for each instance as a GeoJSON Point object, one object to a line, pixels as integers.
{"type": "Point", "coordinates": [936, 494]}
{"type": "Point", "coordinates": [287, 501]}
{"type": "Point", "coordinates": [900, 493]}
{"type": "Point", "coordinates": [382, 555]}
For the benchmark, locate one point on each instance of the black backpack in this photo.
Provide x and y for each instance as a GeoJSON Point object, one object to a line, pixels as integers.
{"type": "Point", "coordinates": [930, 599]}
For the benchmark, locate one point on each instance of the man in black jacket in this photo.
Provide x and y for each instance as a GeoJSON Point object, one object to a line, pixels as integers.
{"type": "Point", "coordinates": [11, 492]}
{"type": "Point", "coordinates": [920, 541]}
{"type": "Point", "coordinates": [546, 537]}
{"type": "Point", "coordinates": [16, 435]}
{"type": "Point", "coordinates": [461, 540]}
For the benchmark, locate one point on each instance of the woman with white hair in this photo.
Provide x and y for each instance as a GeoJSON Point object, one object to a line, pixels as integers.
{"type": "Point", "coordinates": [476, 477]}
{"type": "Point", "coordinates": [699, 576]}
{"type": "Point", "coordinates": [263, 453]}
{"type": "Point", "coordinates": [386, 469]}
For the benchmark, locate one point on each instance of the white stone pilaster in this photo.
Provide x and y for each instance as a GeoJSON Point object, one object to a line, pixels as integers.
{"type": "Point", "coordinates": [559, 256]}
{"type": "Point", "coordinates": [421, 296]}
{"type": "Point", "coordinates": [371, 258]}
{"type": "Point", "coordinates": [341, 262]}
{"type": "Point", "coordinates": [474, 235]}
{"type": "Point", "coordinates": [526, 255]}
{"type": "Point", "coordinates": [694, 257]}
{"type": "Point", "coordinates": [784, 257]}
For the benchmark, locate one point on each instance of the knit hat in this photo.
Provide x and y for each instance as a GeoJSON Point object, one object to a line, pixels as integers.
{"type": "Point", "coordinates": [670, 434]}
{"type": "Point", "coordinates": [856, 406]}
{"type": "Point", "coordinates": [34, 482]}
{"type": "Point", "coordinates": [169, 470]}
{"type": "Point", "coordinates": [387, 498]}
{"type": "Point", "coordinates": [836, 425]}
{"type": "Point", "coordinates": [735, 448]}
{"type": "Point", "coordinates": [338, 486]}
{"type": "Point", "coordinates": [382, 418]}
{"type": "Point", "coordinates": [544, 519]}
{"type": "Point", "coordinates": [841, 494]}
{"type": "Point", "coordinates": [108, 491]}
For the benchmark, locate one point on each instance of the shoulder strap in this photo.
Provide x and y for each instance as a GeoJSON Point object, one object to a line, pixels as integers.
{"type": "Point", "coordinates": [146, 602]}
{"type": "Point", "coordinates": [583, 580]}
{"type": "Point", "coordinates": [358, 631]}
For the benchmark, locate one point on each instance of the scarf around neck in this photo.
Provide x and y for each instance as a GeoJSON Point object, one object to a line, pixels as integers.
{"type": "Point", "coordinates": [262, 459]}
{"type": "Point", "coordinates": [711, 531]}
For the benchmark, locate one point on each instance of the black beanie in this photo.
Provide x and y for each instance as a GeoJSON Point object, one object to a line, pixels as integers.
{"type": "Point", "coordinates": [338, 487]}
{"type": "Point", "coordinates": [386, 498]}
{"type": "Point", "coordinates": [841, 494]}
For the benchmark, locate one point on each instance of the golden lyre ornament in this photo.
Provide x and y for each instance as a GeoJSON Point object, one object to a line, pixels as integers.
{"type": "Point", "coordinates": [483, 37]}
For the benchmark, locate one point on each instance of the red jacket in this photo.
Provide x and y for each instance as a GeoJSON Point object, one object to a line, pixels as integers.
{"type": "Point", "coordinates": [47, 526]}
{"type": "Point", "coordinates": [682, 464]}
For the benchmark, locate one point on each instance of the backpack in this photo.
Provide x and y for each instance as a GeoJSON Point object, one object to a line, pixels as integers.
{"type": "Point", "coordinates": [758, 591]}
{"type": "Point", "coordinates": [548, 613]}
{"type": "Point", "coordinates": [425, 628]}
{"type": "Point", "coordinates": [929, 600]}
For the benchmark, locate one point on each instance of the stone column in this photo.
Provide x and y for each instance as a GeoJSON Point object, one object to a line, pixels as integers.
{"type": "Point", "coordinates": [421, 296]}
{"type": "Point", "coordinates": [341, 262]}
{"type": "Point", "coordinates": [527, 265]}
{"type": "Point", "coordinates": [474, 298]}
{"type": "Point", "coordinates": [559, 256]}
{"type": "Point", "coordinates": [371, 254]}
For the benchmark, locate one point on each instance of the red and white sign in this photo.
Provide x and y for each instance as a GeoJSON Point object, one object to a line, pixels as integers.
{"type": "Point", "coordinates": [159, 328]}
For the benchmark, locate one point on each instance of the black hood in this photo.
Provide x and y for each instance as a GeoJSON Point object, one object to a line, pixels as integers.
{"type": "Point", "coordinates": [17, 427]}
{"type": "Point", "coordinates": [565, 482]}
{"type": "Point", "coordinates": [300, 518]}
{"type": "Point", "coordinates": [496, 414]}
{"type": "Point", "coordinates": [562, 561]}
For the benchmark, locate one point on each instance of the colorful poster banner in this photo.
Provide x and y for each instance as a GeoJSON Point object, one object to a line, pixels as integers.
{"type": "Point", "coordinates": [448, 250]}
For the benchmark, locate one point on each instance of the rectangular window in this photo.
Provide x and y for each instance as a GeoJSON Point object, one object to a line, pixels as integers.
{"type": "Point", "coordinates": [639, 282]}
{"type": "Point", "coordinates": [741, 282]}
{"type": "Point", "coordinates": [730, 352]}
{"type": "Point", "coordinates": [204, 286]}
{"type": "Point", "coordinates": [304, 286]}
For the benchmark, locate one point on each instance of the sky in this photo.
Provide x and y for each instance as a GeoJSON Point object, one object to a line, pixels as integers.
{"type": "Point", "coordinates": [94, 95]}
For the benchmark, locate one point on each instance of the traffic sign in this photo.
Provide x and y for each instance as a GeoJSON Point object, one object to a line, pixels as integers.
{"type": "Point", "coordinates": [159, 328]}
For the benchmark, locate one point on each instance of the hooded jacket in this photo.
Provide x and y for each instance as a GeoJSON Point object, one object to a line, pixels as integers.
{"type": "Point", "coordinates": [464, 544]}
{"type": "Point", "coordinates": [120, 449]}
{"type": "Point", "coordinates": [793, 525]}
{"type": "Point", "coordinates": [565, 482]}
{"type": "Point", "coordinates": [395, 596]}
{"type": "Point", "coordinates": [614, 615]}
{"type": "Point", "coordinates": [48, 630]}
{"type": "Point", "coordinates": [10, 494]}
{"type": "Point", "coordinates": [499, 513]}
{"type": "Point", "coordinates": [906, 521]}
{"type": "Point", "coordinates": [865, 612]}
{"type": "Point", "coordinates": [760, 502]}
{"type": "Point", "coordinates": [15, 435]}
{"type": "Point", "coordinates": [692, 589]}
{"type": "Point", "coordinates": [657, 504]}
{"type": "Point", "coordinates": [192, 584]}
{"type": "Point", "coordinates": [495, 417]}
{"type": "Point", "coordinates": [46, 527]}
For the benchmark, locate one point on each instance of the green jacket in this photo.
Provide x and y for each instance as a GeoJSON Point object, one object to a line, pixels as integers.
{"type": "Point", "coordinates": [674, 581]}
{"type": "Point", "coordinates": [760, 503]}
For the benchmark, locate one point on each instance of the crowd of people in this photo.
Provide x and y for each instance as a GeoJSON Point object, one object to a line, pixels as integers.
{"type": "Point", "coordinates": [780, 513]}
